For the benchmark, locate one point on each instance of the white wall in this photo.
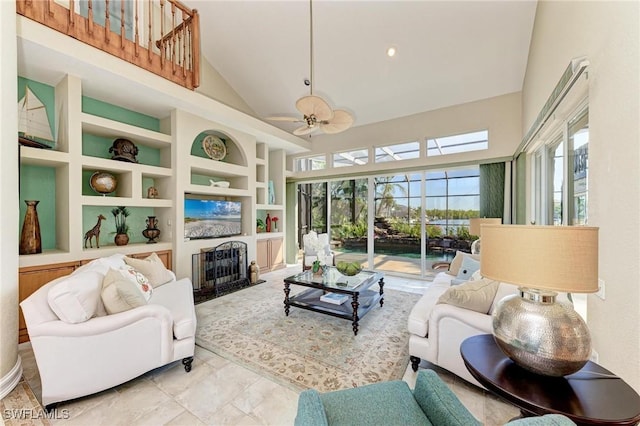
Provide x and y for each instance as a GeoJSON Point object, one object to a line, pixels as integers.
{"type": "Point", "coordinates": [213, 85]}
{"type": "Point", "coordinates": [607, 32]}
{"type": "Point", "coordinates": [500, 115]}
{"type": "Point", "coordinates": [10, 367]}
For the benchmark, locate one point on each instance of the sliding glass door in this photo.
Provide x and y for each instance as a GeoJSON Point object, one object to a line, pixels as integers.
{"type": "Point", "coordinates": [397, 223]}
{"type": "Point", "coordinates": [403, 223]}
{"type": "Point", "coordinates": [348, 218]}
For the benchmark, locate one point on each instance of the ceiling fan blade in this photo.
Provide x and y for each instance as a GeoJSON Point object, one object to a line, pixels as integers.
{"type": "Point", "coordinates": [340, 122]}
{"type": "Point", "coordinates": [304, 130]}
{"type": "Point", "coordinates": [314, 105]}
{"type": "Point", "coordinates": [285, 118]}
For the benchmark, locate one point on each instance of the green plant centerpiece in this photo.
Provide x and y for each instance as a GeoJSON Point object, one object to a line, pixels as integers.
{"type": "Point", "coordinates": [316, 267]}
{"type": "Point", "coordinates": [260, 226]}
{"type": "Point", "coordinates": [348, 268]}
{"type": "Point", "coordinates": [120, 215]}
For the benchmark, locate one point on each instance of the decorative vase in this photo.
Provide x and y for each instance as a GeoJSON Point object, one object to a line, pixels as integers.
{"type": "Point", "coordinates": [152, 232]}
{"type": "Point", "coordinates": [30, 240]}
{"type": "Point", "coordinates": [254, 272]}
{"type": "Point", "coordinates": [121, 239]}
{"type": "Point", "coordinates": [268, 222]}
{"type": "Point", "coordinates": [318, 272]}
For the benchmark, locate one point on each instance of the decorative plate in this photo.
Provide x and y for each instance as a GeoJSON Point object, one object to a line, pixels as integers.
{"type": "Point", "coordinates": [214, 147]}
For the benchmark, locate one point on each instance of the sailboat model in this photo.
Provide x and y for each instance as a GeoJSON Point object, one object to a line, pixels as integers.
{"type": "Point", "coordinates": [33, 123]}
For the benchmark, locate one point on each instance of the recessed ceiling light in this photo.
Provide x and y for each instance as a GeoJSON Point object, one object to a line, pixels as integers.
{"type": "Point", "coordinates": [391, 52]}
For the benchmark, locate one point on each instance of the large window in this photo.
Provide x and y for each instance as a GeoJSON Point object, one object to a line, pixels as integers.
{"type": "Point", "coordinates": [579, 159]}
{"type": "Point", "coordinates": [475, 141]}
{"type": "Point", "coordinates": [410, 220]}
{"type": "Point", "coordinates": [453, 197]}
{"type": "Point", "coordinates": [351, 158]}
{"type": "Point", "coordinates": [560, 173]}
{"type": "Point", "coordinates": [348, 215]}
{"type": "Point", "coordinates": [397, 152]}
{"type": "Point", "coordinates": [317, 162]}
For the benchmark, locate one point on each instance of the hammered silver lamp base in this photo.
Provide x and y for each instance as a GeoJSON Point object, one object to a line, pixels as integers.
{"type": "Point", "coordinates": [540, 334]}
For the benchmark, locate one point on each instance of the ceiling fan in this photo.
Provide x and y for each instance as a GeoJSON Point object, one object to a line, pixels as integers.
{"type": "Point", "coordinates": [317, 114]}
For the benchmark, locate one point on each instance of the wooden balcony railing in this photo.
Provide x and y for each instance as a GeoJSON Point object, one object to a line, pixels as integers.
{"type": "Point", "coordinates": [161, 36]}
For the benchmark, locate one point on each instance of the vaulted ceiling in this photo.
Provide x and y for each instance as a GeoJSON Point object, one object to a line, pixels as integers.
{"type": "Point", "coordinates": [448, 53]}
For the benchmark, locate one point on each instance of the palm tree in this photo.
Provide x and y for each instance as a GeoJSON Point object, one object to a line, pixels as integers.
{"type": "Point", "coordinates": [385, 190]}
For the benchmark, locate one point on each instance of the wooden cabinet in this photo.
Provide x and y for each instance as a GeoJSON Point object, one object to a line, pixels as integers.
{"type": "Point", "coordinates": [270, 255]}
{"type": "Point", "coordinates": [31, 278]}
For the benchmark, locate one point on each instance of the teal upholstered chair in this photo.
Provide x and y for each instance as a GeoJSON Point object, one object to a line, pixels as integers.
{"type": "Point", "coordinates": [393, 403]}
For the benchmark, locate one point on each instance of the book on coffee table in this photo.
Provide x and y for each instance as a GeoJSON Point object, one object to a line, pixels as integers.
{"type": "Point", "coordinates": [335, 298]}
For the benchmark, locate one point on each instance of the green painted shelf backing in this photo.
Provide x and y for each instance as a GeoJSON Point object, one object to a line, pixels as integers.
{"type": "Point", "coordinates": [39, 183]}
{"type": "Point", "coordinates": [116, 113]}
{"type": "Point", "coordinates": [136, 221]}
{"type": "Point", "coordinates": [98, 146]}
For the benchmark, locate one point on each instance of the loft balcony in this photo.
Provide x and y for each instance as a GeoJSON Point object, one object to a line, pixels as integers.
{"type": "Point", "coordinates": [160, 36]}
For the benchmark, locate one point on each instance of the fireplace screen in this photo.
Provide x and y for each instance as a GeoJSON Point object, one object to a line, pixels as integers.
{"type": "Point", "coordinates": [219, 270]}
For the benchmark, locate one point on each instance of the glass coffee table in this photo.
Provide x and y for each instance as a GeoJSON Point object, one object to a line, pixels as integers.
{"type": "Point", "coordinates": [359, 297]}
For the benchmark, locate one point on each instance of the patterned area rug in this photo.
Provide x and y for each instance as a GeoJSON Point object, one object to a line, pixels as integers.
{"type": "Point", "coordinates": [307, 349]}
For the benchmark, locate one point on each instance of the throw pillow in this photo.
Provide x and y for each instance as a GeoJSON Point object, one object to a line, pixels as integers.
{"type": "Point", "coordinates": [75, 298]}
{"type": "Point", "coordinates": [124, 289]}
{"type": "Point", "coordinates": [468, 267]}
{"type": "Point", "coordinates": [102, 264]}
{"type": "Point", "coordinates": [473, 295]}
{"type": "Point", "coordinates": [152, 268]}
{"type": "Point", "coordinates": [456, 263]}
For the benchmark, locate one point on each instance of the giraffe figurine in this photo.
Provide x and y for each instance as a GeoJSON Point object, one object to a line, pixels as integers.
{"type": "Point", "coordinates": [94, 232]}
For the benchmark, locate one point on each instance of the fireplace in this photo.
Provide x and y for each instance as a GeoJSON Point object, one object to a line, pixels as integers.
{"type": "Point", "coordinates": [219, 270]}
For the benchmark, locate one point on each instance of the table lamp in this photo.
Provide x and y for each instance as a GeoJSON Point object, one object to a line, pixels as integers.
{"type": "Point", "coordinates": [475, 229]}
{"type": "Point", "coordinates": [537, 332]}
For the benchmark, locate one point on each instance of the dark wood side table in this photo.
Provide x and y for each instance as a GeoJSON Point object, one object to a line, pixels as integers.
{"type": "Point", "coordinates": [591, 396]}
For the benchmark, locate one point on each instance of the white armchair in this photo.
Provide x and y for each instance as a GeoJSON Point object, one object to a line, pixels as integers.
{"type": "Point", "coordinates": [438, 327]}
{"type": "Point", "coordinates": [78, 357]}
{"type": "Point", "coordinates": [312, 243]}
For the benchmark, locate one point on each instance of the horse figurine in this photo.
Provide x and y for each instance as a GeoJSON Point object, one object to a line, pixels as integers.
{"type": "Point", "coordinates": [94, 232]}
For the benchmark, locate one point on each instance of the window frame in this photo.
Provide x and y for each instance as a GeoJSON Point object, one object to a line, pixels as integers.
{"type": "Point", "coordinates": [542, 162]}
{"type": "Point", "coordinates": [471, 144]}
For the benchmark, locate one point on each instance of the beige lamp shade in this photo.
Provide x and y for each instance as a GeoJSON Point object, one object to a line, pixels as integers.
{"type": "Point", "coordinates": [476, 222]}
{"type": "Point", "coordinates": [559, 258]}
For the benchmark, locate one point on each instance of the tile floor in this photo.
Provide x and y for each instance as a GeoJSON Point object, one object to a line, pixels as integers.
{"type": "Point", "coordinates": [216, 392]}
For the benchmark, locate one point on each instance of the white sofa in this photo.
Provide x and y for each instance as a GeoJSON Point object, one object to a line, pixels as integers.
{"type": "Point", "coordinates": [90, 355]}
{"type": "Point", "coordinates": [437, 330]}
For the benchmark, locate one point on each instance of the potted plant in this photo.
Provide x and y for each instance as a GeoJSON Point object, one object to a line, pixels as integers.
{"type": "Point", "coordinates": [260, 225]}
{"type": "Point", "coordinates": [275, 220]}
{"type": "Point", "coordinates": [120, 215]}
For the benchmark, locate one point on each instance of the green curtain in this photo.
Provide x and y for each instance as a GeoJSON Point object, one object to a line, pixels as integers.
{"type": "Point", "coordinates": [492, 190]}
{"type": "Point", "coordinates": [520, 198]}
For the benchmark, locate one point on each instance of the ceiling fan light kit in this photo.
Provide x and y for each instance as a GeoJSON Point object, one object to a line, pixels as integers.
{"type": "Point", "coordinates": [317, 114]}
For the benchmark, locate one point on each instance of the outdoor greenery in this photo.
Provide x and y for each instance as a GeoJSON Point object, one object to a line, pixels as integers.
{"type": "Point", "coordinates": [349, 210]}
{"type": "Point", "coordinates": [350, 230]}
